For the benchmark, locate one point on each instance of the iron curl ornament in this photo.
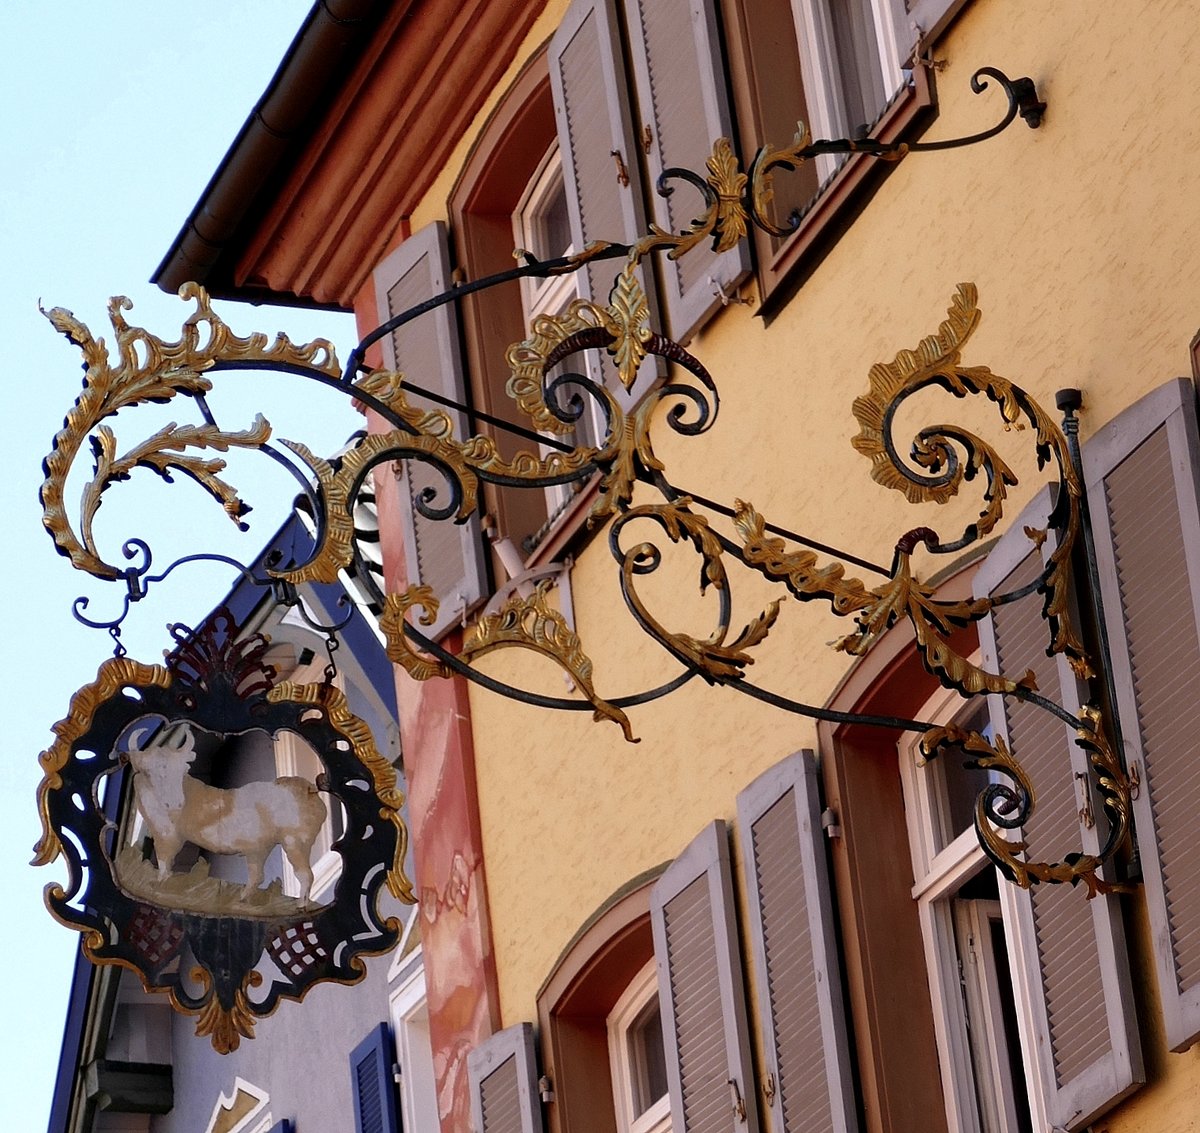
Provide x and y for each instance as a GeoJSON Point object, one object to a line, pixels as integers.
{"type": "Point", "coordinates": [550, 387]}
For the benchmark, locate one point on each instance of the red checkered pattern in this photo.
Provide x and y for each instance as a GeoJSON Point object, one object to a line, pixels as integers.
{"type": "Point", "coordinates": [297, 949]}
{"type": "Point", "coordinates": [155, 934]}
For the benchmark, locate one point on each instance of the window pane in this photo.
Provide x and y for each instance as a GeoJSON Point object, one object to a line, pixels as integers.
{"type": "Point", "coordinates": [958, 786]}
{"type": "Point", "coordinates": [858, 54]}
{"type": "Point", "coordinates": [647, 1058]}
{"type": "Point", "coordinates": [554, 223]}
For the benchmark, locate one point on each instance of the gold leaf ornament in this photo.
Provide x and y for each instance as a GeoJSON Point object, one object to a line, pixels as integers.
{"type": "Point", "coordinates": [532, 623]}
{"type": "Point", "coordinates": [727, 180]}
{"type": "Point", "coordinates": [148, 369]}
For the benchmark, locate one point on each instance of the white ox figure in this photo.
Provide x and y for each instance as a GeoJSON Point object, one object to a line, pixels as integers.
{"type": "Point", "coordinates": [250, 820]}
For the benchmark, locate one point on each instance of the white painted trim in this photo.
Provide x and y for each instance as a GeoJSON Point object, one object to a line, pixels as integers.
{"type": "Point", "coordinates": [327, 867]}
{"type": "Point", "coordinates": [642, 990]}
{"type": "Point", "coordinates": [418, 1086]}
{"type": "Point", "coordinates": [225, 1103]}
{"type": "Point", "coordinates": [939, 875]}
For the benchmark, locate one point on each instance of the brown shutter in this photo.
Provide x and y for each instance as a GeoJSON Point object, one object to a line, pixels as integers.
{"type": "Point", "coordinates": [1068, 953]}
{"type": "Point", "coordinates": [440, 553]}
{"type": "Point", "coordinates": [798, 976]}
{"type": "Point", "coordinates": [923, 21]}
{"type": "Point", "coordinates": [675, 51]}
{"type": "Point", "coordinates": [701, 992]}
{"type": "Point", "coordinates": [503, 1081]}
{"type": "Point", "coordinates": [1142, 488]}
{"type": "Point", "coordinates": [591, 105]}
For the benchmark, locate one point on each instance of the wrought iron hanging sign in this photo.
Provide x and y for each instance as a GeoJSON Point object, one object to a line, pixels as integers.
{"type": "Point", "coordinates": [195, 704]}
{"type": "Point", "coordinates": [146, 884]}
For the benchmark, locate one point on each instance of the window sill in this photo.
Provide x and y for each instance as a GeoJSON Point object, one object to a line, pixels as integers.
{"type": "Point", "coordinates": [783, 269]}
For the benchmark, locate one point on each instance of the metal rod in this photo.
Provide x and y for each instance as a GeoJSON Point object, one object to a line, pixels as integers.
{"type": "Point", "coordinates": [784, 533]}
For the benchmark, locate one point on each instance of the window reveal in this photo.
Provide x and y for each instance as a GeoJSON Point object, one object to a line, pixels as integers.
{"type": "Point", "coordinates": [637, 1058]}
{"type": "Point", "coordinates": [957, 897]}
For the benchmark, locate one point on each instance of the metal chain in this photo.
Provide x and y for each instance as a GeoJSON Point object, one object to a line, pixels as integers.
{"type": "Point", "coordinates": [331, 647]}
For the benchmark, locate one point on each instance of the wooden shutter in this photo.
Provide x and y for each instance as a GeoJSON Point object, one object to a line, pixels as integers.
{"type": "Point", "coordinates": [675, 51]}
{"type": "Point", "coordinates": [1079, 1032]}
{"type": "Point", "coordinates": [372, 1083]}
{"type": "Point", "coordinates": [591, 106]}
{"type": "Point", "coordinates": [797, 973]}
{"type": "Point", "coordinates": [503, 1077]}
{"type": "Point", "coordinates": [1142, 489]}
{"type": "Point", "coordinates": [700, 990]}
{"type": "Point", "coordinates": [922, 21]}
{"type": "Point", "coordinates": [440, 553]}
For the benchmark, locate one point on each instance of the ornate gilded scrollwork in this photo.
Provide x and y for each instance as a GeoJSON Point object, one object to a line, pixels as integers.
{"type": "Point", "coordinates": [147, 369]}
{"type": "Point", "coordinates": [632, 488]}
{"type": "Point", "coordinates": [1002, 807]}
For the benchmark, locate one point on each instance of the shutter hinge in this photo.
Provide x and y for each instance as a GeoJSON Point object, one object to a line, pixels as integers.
{"type": "Point", "coordinates": [1085, 811]}
{"type": "Point", "coordinates": [1135, 779]}
{"type": "Point", "coordinates": [769, 1088]}
{"type": "Point", "coordinates": [727, 297]}
{"type": "Point", "coordinates": [829, 823]}
{"type": "Point", "coordinates": [546, 1089]}
{"type": "Point", "coordinates": [622, 172]}
{"type": "Point", "coordinates": [397, 1073]}
{"type": "Point", "coordinates": [739, 1104]}
{"type": "Point", "coordinates": [647, 140]}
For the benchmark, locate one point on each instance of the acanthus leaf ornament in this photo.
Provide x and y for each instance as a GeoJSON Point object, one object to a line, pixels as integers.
{"type": "Point", "coordinates": [627, 472]}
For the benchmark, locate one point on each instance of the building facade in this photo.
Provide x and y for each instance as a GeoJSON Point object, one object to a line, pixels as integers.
{"type": "Point", "coordinates": [754, 919]}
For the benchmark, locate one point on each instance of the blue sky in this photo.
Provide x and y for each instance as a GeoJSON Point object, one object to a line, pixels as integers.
{"type": "Point", "coordinates": [115, 115]}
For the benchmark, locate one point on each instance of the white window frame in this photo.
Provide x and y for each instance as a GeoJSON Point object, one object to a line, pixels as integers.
{"type": "Point", "coordinates": [642, 990]}
{"type": "Point", "coordinates": [938, 876]}
{"type": "Point", "coordinates": [409, 1013]}
{"type": "Point", "coordinates": [326, 862]}
{"type": "Point", "coordinates": [819, 65]}
{"type": "Point", "coordinates": [550, 297]}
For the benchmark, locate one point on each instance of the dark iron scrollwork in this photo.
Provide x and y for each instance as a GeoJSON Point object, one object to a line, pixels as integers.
{"type": "Point", "coordinates": [941, 460]}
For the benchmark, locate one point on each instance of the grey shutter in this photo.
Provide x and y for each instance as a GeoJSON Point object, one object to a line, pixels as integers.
{"type": "Point", "coordinates": [797, 973]}
{"type": "Point", "coordinates": [700, 990]}
{"type": "Point", "coordinates": [1142, 488]}
{"type": "Point", "coordinates": [442, 554]}
{"type": "Point", "coordinates": [920, 22]}
{"type": "Point", "coordinates": [591, 106]}
{"type": "Point", "coordinates": [503, 1082]}
{"type": "Point", "coordinates": [372, 1084]}
{"type": "Point", "coordinates": [675, 49]}
{"type": "Point", "coordinates": [1071, 965]}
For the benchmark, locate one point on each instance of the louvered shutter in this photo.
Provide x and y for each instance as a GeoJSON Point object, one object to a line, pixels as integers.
{"type": "Point", "coordinates": [1079, 1031]}
{"type": "Point", "coordinates": [440, 553]}
{"type": "Point", "coordinates": [701, 991]}
{"type": "Point", "coordinates": [675, 52]}
{"type": "Point", "coordinates": [372, 1083]}
{"type": "Point", "coordinates": [920, 22]}
{"type": "Point", "coordinates": [503, 1077]}
{"type": "Point", "coordinates": [797, 973]}
{"type": "Point", "coordinates": [1142, 488]}
{"type": "Point", "coordinates": [591, 107]}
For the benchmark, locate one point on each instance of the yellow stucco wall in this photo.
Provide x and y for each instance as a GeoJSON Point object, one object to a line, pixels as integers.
{"type": "Point", "coordinates": [1078, 236]}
